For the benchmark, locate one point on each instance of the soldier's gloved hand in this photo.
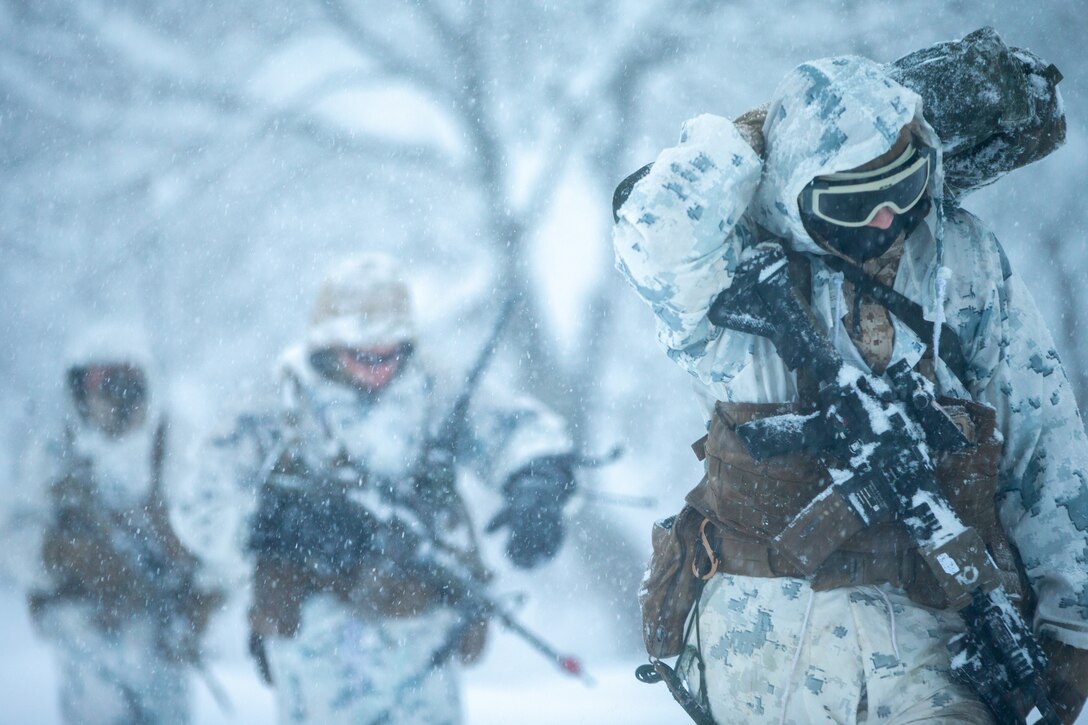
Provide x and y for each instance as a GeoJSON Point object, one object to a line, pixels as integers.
{"type": "Point", "coordinates": [534, 510]}
{"type": "Point", "coordinates": [1067, 678]}
{"type": "Point", "coordinates": [327, 534]}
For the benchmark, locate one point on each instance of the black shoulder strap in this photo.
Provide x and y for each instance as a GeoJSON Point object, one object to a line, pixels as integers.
{"type": "Point", "coordinates": [158, 457]}
{"type": "Point", "coordinates": [907, 310]}
{"type": "Point", "coordinates": [624, 189]}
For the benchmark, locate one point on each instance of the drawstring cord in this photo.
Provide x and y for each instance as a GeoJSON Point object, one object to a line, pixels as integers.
{"type": "Point", "coordinates": [891, 619]}
{"type": "Point", "coordinates": [836, 282]}
{"type": "Point", "coordinates": [709, 553]}
{"type": "Point", "coordinates": [943, 275]}
{"type": "Point", "coordinates": [797, 656]}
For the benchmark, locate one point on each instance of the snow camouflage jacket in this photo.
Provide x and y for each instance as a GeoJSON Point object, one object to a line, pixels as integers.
{"type": "Point", "coordinates": [688, 222]}
{"type": "Point", "coordinates": [325, 429]}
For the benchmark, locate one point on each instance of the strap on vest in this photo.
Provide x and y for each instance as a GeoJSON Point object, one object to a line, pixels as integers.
{"type": "Point", "coordinates": [680, 693]}
{"type": "Point", "coordinates": [658, 671]}
{"type": "Point", "coordinates": [624, 190]}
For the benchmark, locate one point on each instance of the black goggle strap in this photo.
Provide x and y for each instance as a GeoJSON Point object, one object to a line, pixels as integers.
{"type": "Point", "coordinates": [873, 175]}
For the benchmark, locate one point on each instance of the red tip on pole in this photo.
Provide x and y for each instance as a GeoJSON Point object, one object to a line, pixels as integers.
{"type": "Point", "coordinates": [571, 665]}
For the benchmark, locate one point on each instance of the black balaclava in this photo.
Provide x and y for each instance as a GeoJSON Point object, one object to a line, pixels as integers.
{"type": "Point", "coordinates": [863, 243]}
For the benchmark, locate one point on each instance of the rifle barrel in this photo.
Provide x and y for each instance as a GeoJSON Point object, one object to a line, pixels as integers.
{"type": "Point", "coordinates": [569, 664]}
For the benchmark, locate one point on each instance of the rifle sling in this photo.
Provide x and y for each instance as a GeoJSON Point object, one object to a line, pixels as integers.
{"type": "Point", "coordinates": [681, 694]}
{"type": "Point", "coordinates": [259, 652]}
{"type": "Point", "coordinates": [906, 310]}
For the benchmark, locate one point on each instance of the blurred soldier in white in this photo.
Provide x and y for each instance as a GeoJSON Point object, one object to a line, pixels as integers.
{"type": "Point", "coordinates": [335, 503]}
{"type": "Point", "coordinates": [110, 586]}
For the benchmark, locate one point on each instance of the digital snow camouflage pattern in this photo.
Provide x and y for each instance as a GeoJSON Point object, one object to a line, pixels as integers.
{"type": "Point", "coordinates": [345, 664]}
{"type": "Point", "coordinates": [115, 677]}
{"type": "Point", "coordinates": [853, 664]}
{"type": "Point", "coordinates": [686, 224]}
{"type": "Point", "coordinates": [348, 670]}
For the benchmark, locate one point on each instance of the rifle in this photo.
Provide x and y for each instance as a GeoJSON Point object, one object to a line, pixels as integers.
{"type": "Point", "coordinates": [437, 465]}
{"type": "Point", "coordinates": [440, 449]}
{"type": "Point", "coordinates": [370, 530]}
{"type": "Point", "coordinates": [874, 436]}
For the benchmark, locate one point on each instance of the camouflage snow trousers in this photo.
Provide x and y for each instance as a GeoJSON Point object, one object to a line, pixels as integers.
{"type": "Point", "coordinates": [113, 678]}
{"type": "Point", "coordinates": [340, 668]}
{"type": "Point", "coordinates": [775, 651]}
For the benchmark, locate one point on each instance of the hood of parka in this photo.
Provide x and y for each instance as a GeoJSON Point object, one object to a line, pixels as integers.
{"type": "Point", "coordinates": [362, 303]}
{"type": "Point", "coordinates": [384, 432]}
{"type": "Point", "coordinates": [111, 342]}
{"type": "Point", "coordinates": [120, 463]}
{"type": "Point", "coordinates": [827, 116]}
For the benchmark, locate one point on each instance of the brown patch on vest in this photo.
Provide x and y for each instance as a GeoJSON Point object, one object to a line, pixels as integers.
{"type": "Point", "coordinates": [750, 502]}
{"type": "Point", "coordinates": [80, 553]}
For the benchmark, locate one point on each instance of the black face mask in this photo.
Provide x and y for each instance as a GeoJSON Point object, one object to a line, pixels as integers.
{"type": "Point", "coordinates": [863, 243]}
{"type": "Point", "coordinates": [123, 388]}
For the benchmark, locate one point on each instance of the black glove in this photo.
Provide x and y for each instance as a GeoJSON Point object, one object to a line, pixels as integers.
{"type": "Point", "coordinates": [534, 510]}
{"type": "Point", "coordinates": [328, 534]}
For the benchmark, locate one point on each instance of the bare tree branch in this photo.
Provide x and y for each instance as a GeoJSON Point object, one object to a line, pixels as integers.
{"type": "Point", "coordinates": [387, 56]}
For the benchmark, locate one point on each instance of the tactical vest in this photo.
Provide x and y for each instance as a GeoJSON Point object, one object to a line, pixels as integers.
{"type": "Point", "coordinates": [738, 508]}
{"type": "Point", "coordinates": [734, 513]}
{"type": "Point", "coordinates": [86, 552]}
{"type": "Point", "coordinates": [749, 503]}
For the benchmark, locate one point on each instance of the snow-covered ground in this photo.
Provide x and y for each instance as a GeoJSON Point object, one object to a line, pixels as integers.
{"type": "Point", "coordinates": [512, 684]}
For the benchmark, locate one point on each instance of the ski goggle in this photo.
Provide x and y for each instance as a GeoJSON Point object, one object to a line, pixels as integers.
{"type": "Point", "coordinates": [122, 387]}
{"type": "Point", "coordinates": [331, 361]}
{"type": "Point", "coordinates": [371, 358]}
{"type": "Point", "coordinates": [853, 198]}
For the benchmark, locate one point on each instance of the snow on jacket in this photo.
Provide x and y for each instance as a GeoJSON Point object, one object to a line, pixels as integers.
{"type": "Point", "coordinates": [320, 420]}
{"type": "Point", "coordinates": [689, 221]}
